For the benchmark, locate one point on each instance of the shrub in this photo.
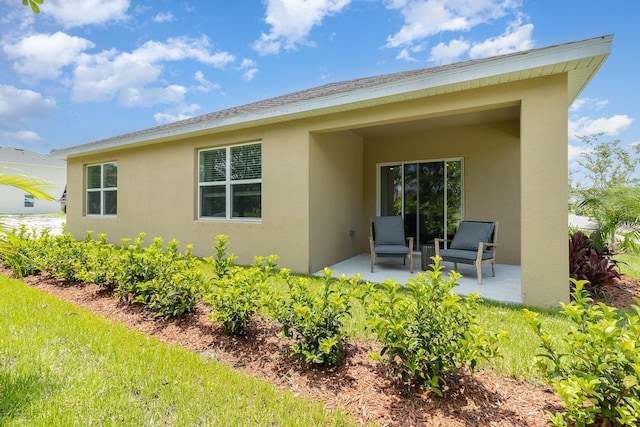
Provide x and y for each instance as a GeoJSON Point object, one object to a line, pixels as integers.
{"type": "Point", "coordinates": [222, 261]}
{"type": "Point", "coordinates": [426, 331]}
{"type": "Point", "coordinates": [102, 264]}
{"type": "Point", "coordinates": [314, 317]}
{"type": "Point", "coordinates": [164, 280]}
{"type": "Point", "coordinates": [588, 264]}
{"type": "Point", "coordinates": [595, 368]}
{"type": "Point", "coordinates": [19, 251]}
{"type": "Point", "coordinates": [236, 295]}
{"type": "Point", "coordinates": [138, 265]}
{"type": "Point", "coordinates": [64, 256]}
{"type": "Point", "coordinates": [171, 296]}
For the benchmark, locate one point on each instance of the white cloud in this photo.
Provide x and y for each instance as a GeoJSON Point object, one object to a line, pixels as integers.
{"type": "Point", "coordinates": [405, 55]}
{"type": "Point", "coordinates": [25, 139]}
{"type": "Point", "coordinates": [76, 13]}
{"type": "Point", "coordinates": [27, 136]}
{"type": "Point", "coordinates": [585, 126]}
{"type": "Point", "coordinates": [575, 151]}
{"type": "Point", "coordinates": [18, 103]}
{"type": "Point", "coordinates": [16, 106]}
{"type": "Point", "coordinates": [517, 37]}
{"type": "Point", "coordinates": [292, 20]}
{"type": "Point", "coordinates": [448, 53]}
{"type": "Point", "coordinates": [164, 17]}
{"type": "Point", "coordinates": [249, 69]}
{"type": "Point", "coordinates": [590, 103]}
{"type": "Point", "coordinates": [144, 96]}
{"type": "Point", "coordinates": [205, 85]}
{"type": "Point", "coordinates": [44, 55]}
{"type": "Point", "coordinates": [424, 18]}
{"type": "Point", "coordinates": [125, 75]}
{"type": "Point", "coordinates": [181, 113]}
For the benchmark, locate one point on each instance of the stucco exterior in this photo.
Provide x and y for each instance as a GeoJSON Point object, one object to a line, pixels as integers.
{"type": "Point", "coordinates": [319, 185]}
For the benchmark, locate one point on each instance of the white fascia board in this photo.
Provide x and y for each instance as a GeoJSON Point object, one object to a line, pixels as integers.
{"type": "Point", "coordinates": [504, 65]}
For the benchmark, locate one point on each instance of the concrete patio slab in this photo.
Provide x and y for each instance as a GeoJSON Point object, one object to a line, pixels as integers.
{"type": "Point", "coordinates": [505, 286]}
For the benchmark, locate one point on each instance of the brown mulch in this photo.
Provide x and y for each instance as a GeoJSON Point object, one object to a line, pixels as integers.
{"type": "Point", "coordinates": [359, 386]}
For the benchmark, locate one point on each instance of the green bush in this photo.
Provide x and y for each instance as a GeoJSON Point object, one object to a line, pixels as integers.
{"type": "Point", "coordinates": [237, 294]}
{"type": "Point", "coordinates": [166, 281]}
{"type": "Point", "coordinates": [138, 265]}
{"type": "Point", "coordinates": [315, 317]}
{"type": "Point", "coordinates": [595, 367]}
{"type": "Point", "coordinates": [102, 262]}
{"type": "Point", "coordinates": [19, 251]}
{"type": "Point", "coordinates": [222, 261]}
{"type": "Point", "coordinates": [426, 331]}
{"type": "Point", "coordinates": [171, 296]}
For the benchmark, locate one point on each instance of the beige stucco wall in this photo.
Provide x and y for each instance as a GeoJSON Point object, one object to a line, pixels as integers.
{"type": "Point", "coordinates": [335, 198]}
{"type": "Point", "coordinates": [319, 182]}
{"type": "Point", "coordinates": [157, 194]}
{"type": "Point", "coordinates": [544, 187]}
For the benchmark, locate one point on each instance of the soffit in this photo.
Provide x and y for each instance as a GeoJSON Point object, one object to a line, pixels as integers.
{"type": "Point", "coordinates": [488, 116]}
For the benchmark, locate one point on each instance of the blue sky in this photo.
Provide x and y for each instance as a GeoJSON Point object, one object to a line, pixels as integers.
{"type": "Point", "coordinates": [84, 70]}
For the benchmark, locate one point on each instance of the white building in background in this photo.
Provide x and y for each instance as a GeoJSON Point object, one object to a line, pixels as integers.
{"type": "Point", "coordinates": [16, 161]}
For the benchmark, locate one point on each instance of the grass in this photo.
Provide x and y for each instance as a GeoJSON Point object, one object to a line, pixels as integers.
{"type": "Point", "coordinates": [60, 365]}
{"type": "Point", "coordinates": [628, 264]}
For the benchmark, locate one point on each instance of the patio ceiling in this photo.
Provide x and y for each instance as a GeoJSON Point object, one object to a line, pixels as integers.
{"type": "Point", "coordinates": [494, 115]}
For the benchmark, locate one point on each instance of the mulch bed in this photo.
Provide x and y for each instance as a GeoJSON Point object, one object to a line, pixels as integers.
{"type": "Point", "coordinates": [358, 386]}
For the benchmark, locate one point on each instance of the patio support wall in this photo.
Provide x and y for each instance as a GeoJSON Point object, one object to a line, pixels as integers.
{"type": "Point", "coordinates": [544, 190]}
{"type": "Point", "coordinates": [335, 198]}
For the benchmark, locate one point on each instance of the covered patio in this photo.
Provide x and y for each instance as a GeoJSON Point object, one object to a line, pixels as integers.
{"type": "Point", "coordinates": [504, 287]}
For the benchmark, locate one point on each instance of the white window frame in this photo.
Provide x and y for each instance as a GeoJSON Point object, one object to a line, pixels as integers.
{"type": "Point", "coordinates": [102, 190]}
{"type": "Point", "coordinates": [228, 184]}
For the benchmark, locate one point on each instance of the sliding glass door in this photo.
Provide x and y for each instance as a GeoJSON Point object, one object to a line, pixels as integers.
{"type": "Point", "coordinates": [428, 195]}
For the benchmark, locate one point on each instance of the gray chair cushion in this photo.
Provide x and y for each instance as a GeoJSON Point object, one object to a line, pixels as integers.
{"type": "Point", "coordinates": [389, 230]}
{"type": "Point", "coordinates": [391, 249]}
{"type": "Point", "coordinates": [462, 255]}
{"type": "Point", "coordinates": [470, 233]}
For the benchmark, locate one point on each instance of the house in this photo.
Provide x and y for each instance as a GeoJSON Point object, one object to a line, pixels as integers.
{"type": "Point", "coordinates": [42, 167]}
{"type": "Point", "coordinates": [301, 175]}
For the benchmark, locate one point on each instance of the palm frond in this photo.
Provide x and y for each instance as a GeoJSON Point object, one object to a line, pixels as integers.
{"type": "Point", "coordinates": [37, 188]}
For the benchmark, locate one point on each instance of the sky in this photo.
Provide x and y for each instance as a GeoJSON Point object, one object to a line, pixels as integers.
{"type": "Point", "coordinates": [85, 70]}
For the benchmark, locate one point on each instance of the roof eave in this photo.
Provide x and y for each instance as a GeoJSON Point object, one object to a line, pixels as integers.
{"type": "Point", "coordinates": [550, 59]}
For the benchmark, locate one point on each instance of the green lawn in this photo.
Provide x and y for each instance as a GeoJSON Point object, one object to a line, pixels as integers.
{"type": "Point", "coordinates": [629, 264]}
{"type": "Point", "coordinates": [60, 365]}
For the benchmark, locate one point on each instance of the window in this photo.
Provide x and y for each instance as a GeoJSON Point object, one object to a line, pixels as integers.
{"type": "Point", "coordinates": [29, 200]}
{"type": "Point", "coordinates": [102, 189]}
{"type": "Point", "coordinates": [230, 182]}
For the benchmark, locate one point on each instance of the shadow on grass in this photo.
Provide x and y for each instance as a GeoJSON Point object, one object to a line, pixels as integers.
{"type": "Point", "coordinates": [18, 392]}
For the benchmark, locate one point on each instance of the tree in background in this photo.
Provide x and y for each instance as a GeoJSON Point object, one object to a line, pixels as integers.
{"type": "Point", "coordinates": [34, 4]}
{"type": "Point", "coordinates": [610, 193]}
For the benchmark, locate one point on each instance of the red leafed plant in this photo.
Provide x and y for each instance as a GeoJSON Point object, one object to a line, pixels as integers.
{"type": "Point", "coordinates": [587, 263]}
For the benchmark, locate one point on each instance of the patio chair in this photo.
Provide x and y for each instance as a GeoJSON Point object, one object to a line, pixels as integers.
{"type": "Point", "coordinates": [387, 239]}
{"type": "Point", "coordinates": [474, 243]}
